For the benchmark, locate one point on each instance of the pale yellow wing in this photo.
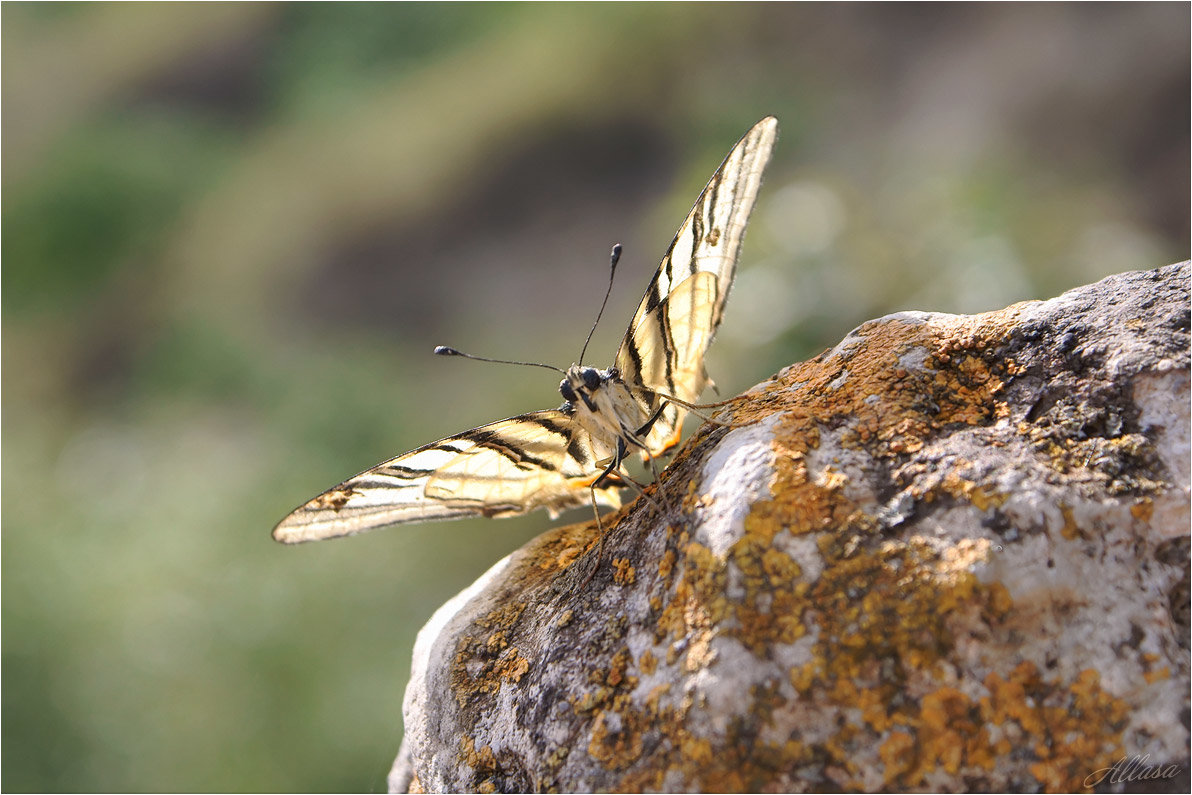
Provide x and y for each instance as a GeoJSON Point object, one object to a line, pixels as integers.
{"type": "Point", "coordinates": [674, 325]}
{"type": "Point", "coordinates": [537, 460]}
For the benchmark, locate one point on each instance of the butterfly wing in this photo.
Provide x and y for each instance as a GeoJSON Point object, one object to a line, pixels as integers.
{"type": "Point", "coordinates": [674, 325]}
{"type": "Point", "coordinates": [538, 460]}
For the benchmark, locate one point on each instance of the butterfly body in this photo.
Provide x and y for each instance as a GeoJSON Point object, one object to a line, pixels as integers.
{"type": "Point", "coordinates": [566, 457]}
{"type": "Point", "coordinates": [603, 406]}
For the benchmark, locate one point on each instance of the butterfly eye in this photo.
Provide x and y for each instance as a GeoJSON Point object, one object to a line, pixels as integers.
{"type": "Point", "coordinates": [591, 378]}
{"type": "Point", "coordinates": [566, 390]}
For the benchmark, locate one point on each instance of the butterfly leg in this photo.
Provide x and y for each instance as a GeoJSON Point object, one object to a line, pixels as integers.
{"type": "Point", "coordinates": [599, 538]}
{"type": "Point", "coordinates": [661, 491]}
{"type": "Point", "coordinates": [641, 433]}
{"type": "Point", "coordinates": [598, 482]}
{"type": "Point", "coordinates": [698, 408]}
{"type": "Point", "coordinates": [617, 458]}
{"type": "Point", "coordinates": [614, 466]}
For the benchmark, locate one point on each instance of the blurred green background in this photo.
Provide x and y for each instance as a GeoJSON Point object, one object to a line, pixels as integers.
{"type": "Point", "coordinates": [233, 233]}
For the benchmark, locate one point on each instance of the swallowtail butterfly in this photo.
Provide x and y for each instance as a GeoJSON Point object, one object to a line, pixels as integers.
{"type": "Point", "coordinates": [564, 457]}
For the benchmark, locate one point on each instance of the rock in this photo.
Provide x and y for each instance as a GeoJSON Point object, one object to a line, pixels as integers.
{"type": "Point", "coordinates": [952, 553]}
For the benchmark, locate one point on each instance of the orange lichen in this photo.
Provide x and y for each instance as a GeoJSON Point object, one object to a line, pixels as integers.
{"type": "Point", "coordinates": [616, 740]}
{"type": "Point", "coordinates": [697, 606]}
{"type": "Point", "coordinates": [897, 752]}
{"type": "Point", "coordinates": [623, 572]}
{"type": "Point", "coordinates": [1143, 509]}
{"type": "Point", "coordinates": [1071, 730]}
{"type": "Point", "coordinates": [483, 761]}
{"type": "Point", "coordinates": [1151, 674]}
{"type": "Point", "coordinates": [1070, 530]}
{"type": "Point", "coordinates": [947, 731]}
{"type": "Point", "coordinates": [618, 725]}
{"type": "Point", "coordinates": [667, 564]}
{"type": "Point", "coordinates": [648, 662]}
{"type": "Point", "coordinates": [482, 664]}
{"type": "Point", "coordinates": [512, 666]}
{"type": "Point", "coordinates": [981, 497]}
{"type": "Point", "coordinates": [560, 548]}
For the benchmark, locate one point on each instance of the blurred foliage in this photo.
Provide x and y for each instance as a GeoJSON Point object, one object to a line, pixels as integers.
{"type": "Point", "coordinates": [232, 233]}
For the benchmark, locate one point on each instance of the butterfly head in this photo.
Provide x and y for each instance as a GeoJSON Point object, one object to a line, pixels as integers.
{"type": "Point", "coordinates": [582, 382]}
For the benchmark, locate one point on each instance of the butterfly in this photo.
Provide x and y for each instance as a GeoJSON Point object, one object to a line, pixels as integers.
{"type": "Point", "coordinates": [565, 457]}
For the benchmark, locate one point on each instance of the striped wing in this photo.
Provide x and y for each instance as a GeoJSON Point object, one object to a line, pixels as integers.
{"type": "Point", "coordinates": [666, 342]}
{"type": "Point", "coordinates": [538, 460]}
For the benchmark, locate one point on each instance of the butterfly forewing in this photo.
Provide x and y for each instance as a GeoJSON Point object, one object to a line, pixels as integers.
{"type": "Point", "coordinates": [537, 460]}
{"type": "Point", "coordinates": [548, 459]}
{"type": "Point", "coordinates": [664, 347]}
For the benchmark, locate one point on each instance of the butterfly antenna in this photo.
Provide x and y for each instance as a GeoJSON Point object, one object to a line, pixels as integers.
{"type": "Point", "coordinates": [443, 350]}
{"type": "Point", "coordinates": [613, 258]}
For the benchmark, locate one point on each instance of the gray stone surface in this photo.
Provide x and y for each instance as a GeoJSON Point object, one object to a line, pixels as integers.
{"type": "Point", "coordinates": [951, 553]}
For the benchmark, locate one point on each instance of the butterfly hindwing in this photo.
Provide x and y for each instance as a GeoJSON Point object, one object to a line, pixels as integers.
{"type": "Point", "coordinates": [536, 460]}
{"type": "Point", "coordinates": [664, 347]}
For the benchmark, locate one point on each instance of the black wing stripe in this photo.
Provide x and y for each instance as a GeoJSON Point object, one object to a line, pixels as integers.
{"type": "Point", "coordinates": [403, 472]}
{"type": "Point", "coordinates": [560, 429]}
{"type": "Point", "coordinates": [381, 483]}
{"type": "Point", "coordinates": [578, 452]}
{"type": "Point", "coordinates": [576, 449]}
{"type": "Point", "coordinates": [669, 351]}
{"type": "Point", "coordinates": [518, 456]}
